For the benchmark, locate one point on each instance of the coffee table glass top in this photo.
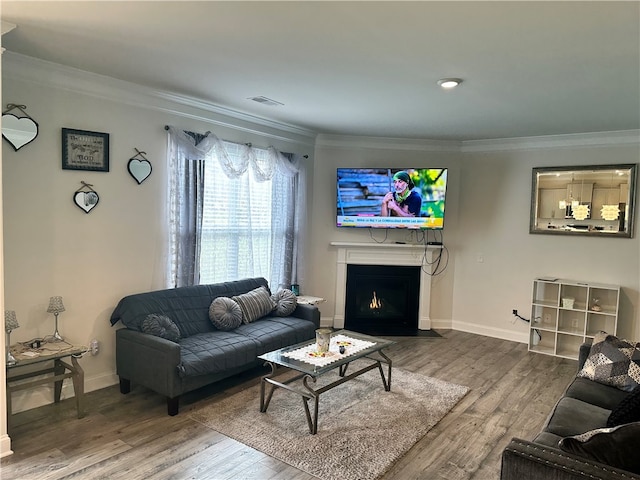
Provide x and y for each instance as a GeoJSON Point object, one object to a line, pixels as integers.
{"type": "Point", "coordinates": [280, 357]}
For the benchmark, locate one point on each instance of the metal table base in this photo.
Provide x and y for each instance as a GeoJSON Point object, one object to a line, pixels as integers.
{"type": "Point", "coordinates": [309, 393]}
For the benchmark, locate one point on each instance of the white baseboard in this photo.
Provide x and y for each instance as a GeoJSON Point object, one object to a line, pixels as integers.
{"type": "Point", "coordinates": [5, 446]}
{"type": "Point", "coordinates": [503, 334]}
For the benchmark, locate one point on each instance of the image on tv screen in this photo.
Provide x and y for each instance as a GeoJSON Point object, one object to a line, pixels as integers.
{"type": "Point", "coordinates": [391, 197]}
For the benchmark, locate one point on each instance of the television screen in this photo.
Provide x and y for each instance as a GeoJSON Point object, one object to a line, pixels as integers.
{"type": "Point", "coordinates": [391, 197]}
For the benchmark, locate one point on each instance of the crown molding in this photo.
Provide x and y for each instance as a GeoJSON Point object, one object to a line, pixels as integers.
{"type": "Point", "coordinates": [594, 139]}
{"type": "Point", "coordinates": [387, 143]}
{"type": "Point", "coordinates": [24, 68]}
{"type": "Point", "coordinates": [42, 72]}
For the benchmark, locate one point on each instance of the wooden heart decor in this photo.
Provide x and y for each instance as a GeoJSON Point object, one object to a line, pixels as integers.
{"type": "Point", "coordinates": [18, 131]}
{"type": "Point", "coordinates": [139, 169]}
{"type": "Point", "coordinates": [86, 200]}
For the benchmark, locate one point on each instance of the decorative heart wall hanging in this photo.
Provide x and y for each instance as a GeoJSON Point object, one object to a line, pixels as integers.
{"type": "Point", "coordinates": [18, 131]}
{"type": "Point", "coordinates": [86, 198]}
{"type": "Point", "coordinates": [139, 167]}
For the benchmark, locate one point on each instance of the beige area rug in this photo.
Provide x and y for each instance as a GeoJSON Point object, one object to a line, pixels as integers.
{"type": "Point", "coordinates": [362, 429]}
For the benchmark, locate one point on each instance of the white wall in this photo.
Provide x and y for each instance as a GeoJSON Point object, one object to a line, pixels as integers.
{"type": "Point", "coordinates": [487, 218]}
{"type": "Point", "coordinates": [52, 247]}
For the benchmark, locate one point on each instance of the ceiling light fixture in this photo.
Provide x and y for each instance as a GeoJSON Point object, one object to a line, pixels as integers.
{"type": "Point", "coordinates": [266, 101]}
{"type": "Point", "coordinates": [449, 83]}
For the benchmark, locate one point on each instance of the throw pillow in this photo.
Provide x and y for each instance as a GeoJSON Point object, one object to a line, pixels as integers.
{"type": "Point", "coordinates": [255, 304]}
{"type": "Point", "coordinates": [225, 314]}
{"type": "Point", "coordinates": [627, 411]}
{"type": "Point", "coordinates": [286, 302]}
{"type": "Point", "coordinates": [617, 446]}
{"type": "Point", "coordinates": [613, 361]}
{"type": "Point", "coordinates": [161, 326]}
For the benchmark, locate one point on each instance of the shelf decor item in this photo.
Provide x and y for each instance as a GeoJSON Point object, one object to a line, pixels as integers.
{"type": "Point", "coordinates": [56, 307]}
{"type": "Point", "coordinates": [85, 150]}
{"type": "Point", "coordinates": [10, 324]}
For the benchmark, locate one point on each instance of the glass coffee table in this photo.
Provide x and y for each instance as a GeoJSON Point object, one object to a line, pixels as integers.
{"type": "Point", "coordinates": [304, 359]}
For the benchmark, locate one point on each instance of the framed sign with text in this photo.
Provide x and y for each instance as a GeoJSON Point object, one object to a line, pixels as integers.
{"type": "Point", "coordinates": [84, 150]}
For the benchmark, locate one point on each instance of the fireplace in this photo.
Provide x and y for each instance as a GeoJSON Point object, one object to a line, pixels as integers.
{"type": "Point", "coordinates": [382, 299]}
{"type": "Point", "coordinates": [383, 254]}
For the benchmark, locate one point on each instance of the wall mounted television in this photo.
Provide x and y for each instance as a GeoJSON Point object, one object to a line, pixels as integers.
{"type": "Point", "coordinates": [411, 198]}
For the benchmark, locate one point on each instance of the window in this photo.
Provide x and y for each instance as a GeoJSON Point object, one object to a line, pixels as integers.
{"type": "Point", "coordinates": [235, 211]}
{"type": "Point", "coordinates": [236, 222]}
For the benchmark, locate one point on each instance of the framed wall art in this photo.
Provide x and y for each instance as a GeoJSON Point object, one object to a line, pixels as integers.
{"type": "Point", "coordinates": [84, 150]}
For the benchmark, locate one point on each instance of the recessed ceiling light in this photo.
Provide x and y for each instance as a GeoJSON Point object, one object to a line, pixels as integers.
{"type": "Point", "coordinates": [449, 83]}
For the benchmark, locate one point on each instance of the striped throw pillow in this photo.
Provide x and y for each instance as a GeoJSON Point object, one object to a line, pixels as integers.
{"type": "Point", "coordinates": [255, 304]}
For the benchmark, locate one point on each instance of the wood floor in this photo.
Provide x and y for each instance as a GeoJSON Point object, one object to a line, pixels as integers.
{"type": "Point", "coordinates": [512, 392]}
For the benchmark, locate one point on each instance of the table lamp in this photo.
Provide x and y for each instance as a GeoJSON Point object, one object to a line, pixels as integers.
{"type": "Point", "coordinates": [10, 324]}
{"type": "Point", "coordinates": [56, 307]}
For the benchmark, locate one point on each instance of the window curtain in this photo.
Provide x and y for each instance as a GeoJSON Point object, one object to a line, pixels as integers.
{"type": "Point", "coordinates": [186, 188]}
{"type": "Point", "coordinates": [237, 162]}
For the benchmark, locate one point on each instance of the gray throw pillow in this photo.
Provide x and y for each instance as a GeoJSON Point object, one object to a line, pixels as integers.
{"type": "Point", "coordinates": [617, 446]}
{"type": "Point", "coordinates": [161, 326]}
{"type": "Point", "coordinates": [613, 361]}
{"type": "Point", "coordinates": [255, 304]}
{"type": "Point", "coordinates": [286, 302]}
{"type": "Point", "coordinates": [225, 314]}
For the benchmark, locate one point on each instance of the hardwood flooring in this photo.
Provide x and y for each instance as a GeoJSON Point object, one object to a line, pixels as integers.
{"type": "Point", "coordinates": [131, 436]}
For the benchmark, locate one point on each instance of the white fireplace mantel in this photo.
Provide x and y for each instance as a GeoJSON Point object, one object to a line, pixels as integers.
{"type": "Point", "coordinates": [350, 253]}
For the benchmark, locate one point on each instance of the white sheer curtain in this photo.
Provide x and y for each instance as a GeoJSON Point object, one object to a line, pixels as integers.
{"type": "Point", "coordinates": [244, 217]}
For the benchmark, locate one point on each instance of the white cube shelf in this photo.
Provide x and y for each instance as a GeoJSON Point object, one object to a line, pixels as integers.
{"type": "Point", "coordinates": [566, 313]}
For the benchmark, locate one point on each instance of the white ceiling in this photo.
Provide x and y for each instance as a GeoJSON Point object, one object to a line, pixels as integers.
{"type": "Point", "coordinates": [363, 68]}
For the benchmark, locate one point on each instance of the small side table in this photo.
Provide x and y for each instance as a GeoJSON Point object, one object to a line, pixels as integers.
{"type": "Point", "coordinates": [39, 361]}
{"type": "Point", "coordinates": [309, 300]}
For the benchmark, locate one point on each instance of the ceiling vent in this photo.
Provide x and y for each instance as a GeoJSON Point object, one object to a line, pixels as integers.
{"type": "Point", "coordinates": [266, 101]}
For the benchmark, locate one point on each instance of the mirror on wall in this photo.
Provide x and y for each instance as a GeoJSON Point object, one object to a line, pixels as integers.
{"type": "Point", "coordinates": [18, 131]}
{"type": "Point", "coordinates": [594, 200]}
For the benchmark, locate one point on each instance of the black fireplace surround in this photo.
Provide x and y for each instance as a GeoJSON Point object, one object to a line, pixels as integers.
{"type": "Point", "coordinates": [382, 299]}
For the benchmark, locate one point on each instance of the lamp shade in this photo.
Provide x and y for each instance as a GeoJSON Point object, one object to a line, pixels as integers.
{"type": "Point", "coordinates": [55, 305]}
{"type": "Point", "coordinates": [10, 320]}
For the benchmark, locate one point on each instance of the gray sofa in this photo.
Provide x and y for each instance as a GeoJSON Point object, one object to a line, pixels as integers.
{"type": "Point", "coordinates": [203, 354]}
{"type": "Point", "coordinates": [586, 405]}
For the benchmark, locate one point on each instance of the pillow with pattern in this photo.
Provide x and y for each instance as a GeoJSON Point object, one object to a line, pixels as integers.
{"type": "Point", "coordinates": [286, 302]}
{"type": "Point", "coordinates": [613, 361]}
{"type": "Point", "coordinates": [225, 313]}
{"type": "Point", "coordinates": [617, 446]}
{"type": "Point", "coordinates": [255, 304]}
{"type": "Point", "coordinates": [161, 326]}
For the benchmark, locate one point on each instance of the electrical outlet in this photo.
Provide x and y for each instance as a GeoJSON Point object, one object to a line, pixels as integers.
{"type": "Point", "coordinates": [94, 347]}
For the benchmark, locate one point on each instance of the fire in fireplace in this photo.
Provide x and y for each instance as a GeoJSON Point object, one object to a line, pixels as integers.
{"type": "Point", "coordinates": [382, 299]}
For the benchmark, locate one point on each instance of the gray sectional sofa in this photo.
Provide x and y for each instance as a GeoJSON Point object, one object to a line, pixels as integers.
{"type": "Point", "coordinates": [202, 354]}
{"type": "Point", "coordinates": [585, 406]}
